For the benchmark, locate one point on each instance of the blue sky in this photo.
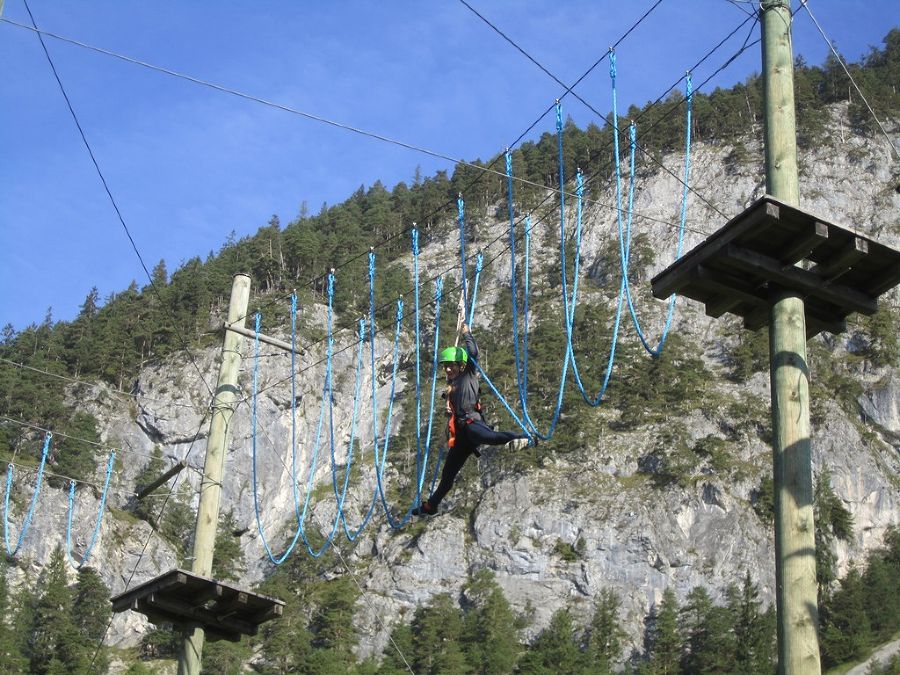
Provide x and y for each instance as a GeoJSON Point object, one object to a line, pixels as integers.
{"type": "Point", "coordinates": [187, 165]}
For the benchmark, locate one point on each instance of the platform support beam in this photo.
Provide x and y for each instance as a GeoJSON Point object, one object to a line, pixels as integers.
{"type": "Point", "coordinates": [189, 659]}
{"type": "Point", "coordinates": [795, 545]}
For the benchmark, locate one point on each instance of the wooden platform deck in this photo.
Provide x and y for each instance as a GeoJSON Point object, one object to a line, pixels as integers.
{"type": "Point", "coordinates": [761, 252]}
{"type": "Point", "coordinates": [184, 599]}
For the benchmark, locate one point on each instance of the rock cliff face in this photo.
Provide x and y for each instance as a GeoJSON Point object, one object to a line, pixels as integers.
{"type": "Point", "coordinates": [622, 531]}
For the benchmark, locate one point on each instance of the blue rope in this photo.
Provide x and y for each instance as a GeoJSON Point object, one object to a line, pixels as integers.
{"type": "Point", "coordinates": [521, 362]}
{"type": "Point", "coordinates": [379, 475]}
{"type": "Point", "coordinates": [654, 351]}
{"type": "Point", "coordinates": [422, 453]}
{"type": "Point", "coordinates": [380, 457]}
{"type": "Point", "coordinates": [351, 536]}
{"type": "Point", "coordinates": [26, 524]}
{"type": "Point", "coordinates": [276, 560]}
{"type": "Point", "coordinates": [461, 222]}
{"type": "Point", "coordinates": [435, 366]}
{"type": "Point", "coordinates": [479, 263]}
{"type": "Point", "coordinates": [100, 509]}
{"type": "Point", "coordinates": [326, 393]}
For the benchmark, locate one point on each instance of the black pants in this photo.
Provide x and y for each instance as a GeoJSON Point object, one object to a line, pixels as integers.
{"type": "Point", "coordinates": [468, 438]}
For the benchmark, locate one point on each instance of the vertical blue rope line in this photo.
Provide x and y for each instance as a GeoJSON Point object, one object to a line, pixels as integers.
{"type": "Point", "coordinates": [381, 457]}
{"type": "Point", "coordinates": [372, 354]}
{"type": "Point", "coordinates": [423, 451]}
{"type": "Point", "coordinates": [655, 351]}
{"type": "Point", "coordinates": [294, 405]}
{"type": "Point", "coordinates": [375, 452]}
{"type": "Point", "coordinates": [513, 285]}
{"type": "Point", "coordinates": [395, 524]}
{"type": "Point", "coordinates": [570, 318]}
{"type": "Point", "coordinates": [525, 309]}
{"type": "Point", "coordinates": [479, 263]}
{"type": "Point", "coordinates": [98, 522]}
{"type": "Point", "coordinates": [421, 460]}
{"type": "Point", "coordinates": [438, 296]}
{"type": "Point", "coordinates": [342, 495]}
{"type": "Point", "coordinates": [314, 461]}
{"type": "Point", "coordinates": [26, 524]}
{"type": "Point", "coordinates": [276, 560]}
{"type": "Point", "coordinates": [461, 222]}
{"type": "Point", "coordinates": [520, 357]}
{"type": "Point", "coordinates": [351, 536]}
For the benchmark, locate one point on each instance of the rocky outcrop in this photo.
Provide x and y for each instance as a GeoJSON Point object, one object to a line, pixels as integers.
{"type": "Point", "coordinates": [553, 535]}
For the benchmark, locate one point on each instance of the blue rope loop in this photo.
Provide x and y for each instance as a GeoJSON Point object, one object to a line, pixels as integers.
{"type": "Point", "coordinates": [461, 223]}
{"type": "Point", "coordinates": [657, 350]}
{"type": "Point", "coordinates": [276, 560]}
{"type": "Point", "coordinates": [361, 337]}
{"type": "Point", "coordinates": [26, 524]}
{"type": "Point", "coordinates": [100, 509]}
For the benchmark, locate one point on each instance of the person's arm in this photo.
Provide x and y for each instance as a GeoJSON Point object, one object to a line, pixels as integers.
{"type": "Point", "coordinates": [471, 345]}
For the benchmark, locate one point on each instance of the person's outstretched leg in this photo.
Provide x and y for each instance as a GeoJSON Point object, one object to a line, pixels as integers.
{"type": "Point", "coordinates": [452, 465]}
{"type": "Point", "coordinates": [479, 433]}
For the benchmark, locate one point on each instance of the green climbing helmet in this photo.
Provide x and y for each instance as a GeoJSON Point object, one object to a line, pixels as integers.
{"type": "Point", "coordinates": [453, 355]}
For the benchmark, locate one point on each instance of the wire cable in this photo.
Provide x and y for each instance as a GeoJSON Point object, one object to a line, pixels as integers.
{"type": "Point", "coordinates": [109, 194]}
{"type": "Point", "coordinates": [805, 5]}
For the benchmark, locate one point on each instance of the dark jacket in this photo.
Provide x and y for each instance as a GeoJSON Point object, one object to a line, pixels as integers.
{"type": "Point", "coordinates": [465, 389]}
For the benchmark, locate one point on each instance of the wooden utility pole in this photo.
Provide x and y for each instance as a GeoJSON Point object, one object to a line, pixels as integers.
{"type": "Point", "coordinates": [795, 544]}
{"type": "Point", "coordinates": [211, 487]}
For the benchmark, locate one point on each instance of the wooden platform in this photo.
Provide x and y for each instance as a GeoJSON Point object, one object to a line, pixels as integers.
{"type": "Point", "coordinates": [755, 256]}
{"type": "Point", "coordinates": [183, 599]}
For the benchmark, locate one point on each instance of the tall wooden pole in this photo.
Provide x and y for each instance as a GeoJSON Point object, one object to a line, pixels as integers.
{"type": "Point", "coordinates": [795, 545]}
{"type": "Point", "coordinates": [211, 488]}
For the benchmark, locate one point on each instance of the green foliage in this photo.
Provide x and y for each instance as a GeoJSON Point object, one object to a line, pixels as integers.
{"type": "Point", "coordinates": [148, 507]}
{"type": "Point", "coordinates": [228, 558]}
{"type": "Point", "coordinates": [883, 329]}
{"type": "Point", "coordinates": [663, 637]}
{"type": "Point", "coordinates": [605, 638]}
{"type": "Point", "coordinates": [178, 521]}
{"type": "Point", "coordinates": [490, 627]}
{"type": "Point", "coordinates": [865, 609]}
{"type": "Point", "coordinates": [764, 499]}
{"type": "Point", "coordinates": [52, 635]}
{"type": "Point", "coordinates": [315, 634]}
{"type": "Point", "coordinates": [91, 612]}
{"type": "Point", "coordinates": [754, 630]}
{"type": "Point", "coordinates": [833, 521]}
{"type": "Point", "coordinates": [556, 649]}
{"type": "Point", "coordinates": [566, 551]}
{"type": "Point", "coordinates": [648, 391]}
{"type": "Point", "coordinates": [11, 653]}
{"type": "Point", "coordinates": [707, 630]}
{"type": "Point", "coordinates": [751, 355]}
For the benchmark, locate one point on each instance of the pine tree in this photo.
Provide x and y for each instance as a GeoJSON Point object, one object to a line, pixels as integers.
{"type": "Point", "coordinates": [437, 629]}
{"type": "Point", "coordinates": [53, 638]}
{"type": "Point", "coordinates": [664, 638]}
{"type": "Point", "coordinates": [91, 612]}
{"type": "Point", "coordinates": [10, 653]}
{"type": "Point", "coordinates": [754, 631]}
{"type": "Point", "coordinates": [555, 650]}
{"type": "Point", "coordinates": [605, 635]}
{"type": "Point", "coordinates": [228, 558]}
{"type": "Point", "coordinates": [490, 641]}
{"type": "Point", "coordinates": [707, 631]}
{"type": "Point", "coordinates": [846, 633]}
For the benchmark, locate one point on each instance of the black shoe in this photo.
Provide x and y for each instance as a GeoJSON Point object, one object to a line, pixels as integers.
{"type": "Point", "coordinates": [424, 509]}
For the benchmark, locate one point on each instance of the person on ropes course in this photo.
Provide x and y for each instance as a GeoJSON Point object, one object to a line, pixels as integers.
{"type": "Point", "coordinates": [466, 426]}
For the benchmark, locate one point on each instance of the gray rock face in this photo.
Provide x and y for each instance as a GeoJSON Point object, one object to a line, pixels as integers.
{"type": "Point", "coordinates": [554, 536]}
